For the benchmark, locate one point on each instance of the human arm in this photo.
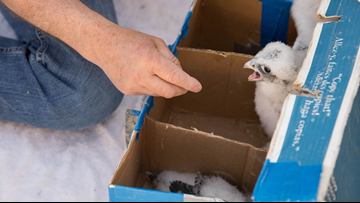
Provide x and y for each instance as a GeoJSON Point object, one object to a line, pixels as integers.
{"type": "Point", "coordinates": [135, 62]}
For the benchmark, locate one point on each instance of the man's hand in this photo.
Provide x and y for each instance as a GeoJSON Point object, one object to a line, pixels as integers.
{"type": "Point", "coordinates": [141, 64]}
{"type": "Point", "coordinates": [136, 63]}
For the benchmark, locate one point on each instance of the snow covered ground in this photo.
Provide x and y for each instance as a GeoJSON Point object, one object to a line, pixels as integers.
{"type": "Point", "coordinates": [46, 165]}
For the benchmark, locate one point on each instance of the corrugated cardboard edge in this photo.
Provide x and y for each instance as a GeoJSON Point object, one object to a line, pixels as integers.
{"type": "Point", "coordinates": [208, 135]}
{"type": "Point", "coordinates": [221, 53]}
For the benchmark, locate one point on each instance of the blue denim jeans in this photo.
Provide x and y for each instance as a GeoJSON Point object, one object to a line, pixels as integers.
{"type": "Point", "coordinates": [46, 84]}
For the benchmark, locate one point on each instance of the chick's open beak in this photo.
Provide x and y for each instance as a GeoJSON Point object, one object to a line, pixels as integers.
{"type": "Point", "coordinates": [256, 76]}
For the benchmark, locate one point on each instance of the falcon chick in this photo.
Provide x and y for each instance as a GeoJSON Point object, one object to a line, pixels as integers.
{"type": "Point", "coordinates": [275, 70]}
{"type": "Point", "coordinates": [196, 184]}
{"type": "Point", "coordinates": [276, 67]}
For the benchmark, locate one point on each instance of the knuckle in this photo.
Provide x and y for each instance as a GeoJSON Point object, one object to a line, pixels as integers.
{"type": "Point", "coordinates": [152, 59]}
{"type": "Point", "coordinates": [160, 41]}
{"type": "Point", "coordinates": [174, 59]}
{"type": "Point", "coordinates": [177, 62]}
{"type": "Point", "coordinates": [174, 76]}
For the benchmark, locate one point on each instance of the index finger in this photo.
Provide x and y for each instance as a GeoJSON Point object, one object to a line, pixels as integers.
{"type": "Point", "coordinates": [169, 72]}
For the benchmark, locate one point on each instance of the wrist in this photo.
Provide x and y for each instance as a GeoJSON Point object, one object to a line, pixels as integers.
{"type": "Point", "coordinates": [95, 37]}
{"type": "Point", "coordinates": [88, 36]}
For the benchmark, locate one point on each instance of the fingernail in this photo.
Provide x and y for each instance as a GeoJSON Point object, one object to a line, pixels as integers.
{"type": "Point", "coordinates": [197, 88]}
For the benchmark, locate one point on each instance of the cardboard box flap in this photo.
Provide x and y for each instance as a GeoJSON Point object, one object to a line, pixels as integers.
{"type": "Point", "coordinates": [307, 139]}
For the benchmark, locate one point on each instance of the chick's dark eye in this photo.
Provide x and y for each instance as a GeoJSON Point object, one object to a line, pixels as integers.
{"type": "Point", "coordinates": [267, 70]}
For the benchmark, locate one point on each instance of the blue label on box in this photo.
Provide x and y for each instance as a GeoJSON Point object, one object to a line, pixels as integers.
{"type": "Point", "coordinates": [297, 183]}
{"type": "Point", "coordinates": [128, 194]}
{"type": "Point", "coordinates": [312, 122]}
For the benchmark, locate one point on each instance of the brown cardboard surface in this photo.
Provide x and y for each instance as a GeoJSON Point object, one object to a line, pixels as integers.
{"type": "Point", "coordinates": [167, 147]}
{"type": "Point", "coordinates": [219, 25]}
{"type": "Point", "coordinates": [224, 107]}
{"type": "Point", "coordinates": [226, 91]}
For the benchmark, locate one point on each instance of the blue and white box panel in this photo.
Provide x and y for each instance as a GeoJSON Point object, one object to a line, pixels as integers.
{"type": "Point", "coordinates": [315, 150]}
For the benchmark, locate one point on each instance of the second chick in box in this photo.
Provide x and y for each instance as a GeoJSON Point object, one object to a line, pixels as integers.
{"type": "Point", "coordinates": [196, 184]}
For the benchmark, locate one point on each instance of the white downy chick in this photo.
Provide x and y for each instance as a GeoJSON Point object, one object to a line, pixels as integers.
{"type": "Point", "coordinates": [162, 181]}
{"type": "Point", "coordinates": [275, 71]}
{"type": "Point", "coordinates": [196, 184]}
{"type": "Point", "coordinates": [217, 187]}
{"type": "Point", "coordinates": [276, 67]}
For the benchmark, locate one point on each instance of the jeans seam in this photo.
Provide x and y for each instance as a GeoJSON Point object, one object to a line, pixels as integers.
{"type": "Point", "coordinates": [11, 49]}
{"type": "Point", "coordinates": [43, 47]}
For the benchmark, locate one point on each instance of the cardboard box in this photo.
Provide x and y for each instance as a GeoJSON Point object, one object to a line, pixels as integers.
{"type": "Point", "coordinates": [223, 114]}
{"type": "Point", "coordinates": [216, 131]}
{"type": "Point", "coordinates": [314, 154]}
